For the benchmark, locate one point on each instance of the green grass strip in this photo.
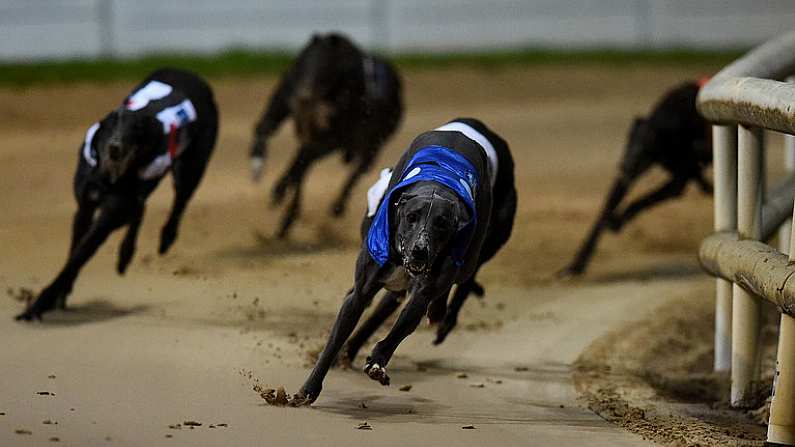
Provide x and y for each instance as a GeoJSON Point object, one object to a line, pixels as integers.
{"type": "Point", "coordinates": [247, 63]}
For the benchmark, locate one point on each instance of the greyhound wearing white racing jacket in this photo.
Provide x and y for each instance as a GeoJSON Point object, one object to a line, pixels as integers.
{"type": "Point", "coordinates": [169, 122]}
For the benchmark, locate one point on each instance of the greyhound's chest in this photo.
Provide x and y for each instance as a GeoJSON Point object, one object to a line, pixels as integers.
{"type": "Point", "coordinates": [397, 280]}
{"type": "Point", "coordinates": [312, 119]}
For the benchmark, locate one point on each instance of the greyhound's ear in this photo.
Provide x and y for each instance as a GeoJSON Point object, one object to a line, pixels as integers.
{"type": "Point", "coordinates": [463, 216]}
{"type": "Point", "coordinates": [404, 197]}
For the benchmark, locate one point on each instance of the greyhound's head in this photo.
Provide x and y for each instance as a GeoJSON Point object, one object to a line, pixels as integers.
{"type": "Point", "coordinates": [640, 152]}
{"type": "Point", "coordinates": [327, 62]}
{"type": "Point", "coordinates": [129, 137]}
{"type": "Point", "coordinates": [428, 217]}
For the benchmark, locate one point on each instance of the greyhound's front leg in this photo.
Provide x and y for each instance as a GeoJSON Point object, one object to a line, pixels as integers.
{"type": "Point", "coordinates": [127, 248]}
{"type": "Point", "coordinates": [583, 256]}
{"type": "Point", "coordinates": [293, 174]}
{"type": "Point", "coordinates": [81, 223]}
{"type": "Point", "coordinates": [387, 306]}
{"type": "Point", "coordinates": [365, 288]}
{"type": "Point", "coordinates": [112, 215]}
{"type": "Point", "coordinates": [407, 322]}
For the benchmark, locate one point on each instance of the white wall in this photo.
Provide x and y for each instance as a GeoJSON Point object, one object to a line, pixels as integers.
{"type": "Point", "coordinates": [67, 28]}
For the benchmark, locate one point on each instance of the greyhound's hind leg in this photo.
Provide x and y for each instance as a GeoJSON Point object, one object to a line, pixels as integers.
{"type": "Point", "coordinates": [451, 317]}
{"type": "Point", "coordinates": [672, 188]}
{"type": "Point", "coordinates": [188, 172]}
{"type": "Point", "coordinates": [583, 256]}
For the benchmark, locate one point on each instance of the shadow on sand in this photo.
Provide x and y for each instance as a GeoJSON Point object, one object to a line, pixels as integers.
{"type": "Point", "coordinates": [94, 311]}
{"type": "Point", "coordinates": [267, 246]}
{"type": "Point", "coordinates": [673, 270]}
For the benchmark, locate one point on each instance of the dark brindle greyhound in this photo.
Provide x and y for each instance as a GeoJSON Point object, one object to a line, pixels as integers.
{"type": "Point", "coordinates": [340, 98]}
{"type": "Point", "coordinates": [674, 137]}
{"type": "Point", "coordinates": [168, 122]}
{"type": "Point", "coordinates": [447, 208]}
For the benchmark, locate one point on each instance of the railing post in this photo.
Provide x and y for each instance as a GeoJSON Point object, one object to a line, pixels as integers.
{"type": "Point", "coordinates": [789, 166]}
{"type": "Point", "coordinates": [781, 427]}
{"type": "Point", "coordinates": [747, 308]}
{"type": "Point", "coordinates": [724, 141]}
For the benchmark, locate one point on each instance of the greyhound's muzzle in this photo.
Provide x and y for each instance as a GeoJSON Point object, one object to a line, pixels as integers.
{"type": "Point", "coordinates": [418, 260]}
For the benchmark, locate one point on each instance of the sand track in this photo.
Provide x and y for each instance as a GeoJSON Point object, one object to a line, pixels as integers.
{"type": "Point", "coordinates": [186, 336]}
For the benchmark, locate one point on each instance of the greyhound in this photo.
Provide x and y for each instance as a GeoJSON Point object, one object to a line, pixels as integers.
{"type": "Point", "coordinates": [168, 122]}
{"type": "Point", "coordinates": [674, 137]}
{"type": "Point", "coordinates": [446, 209]}
{"type": "Point", "coordinates": [340, 98]}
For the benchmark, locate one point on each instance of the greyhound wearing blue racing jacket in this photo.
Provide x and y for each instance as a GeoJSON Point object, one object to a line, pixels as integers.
{"type": "Point", "coordinates": [168, 123]}
{"type": "Point", "coordinates": [446, 208]}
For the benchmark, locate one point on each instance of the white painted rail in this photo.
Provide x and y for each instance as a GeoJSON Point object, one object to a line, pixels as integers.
{"type": "Point", "coordinates": [743, 100]}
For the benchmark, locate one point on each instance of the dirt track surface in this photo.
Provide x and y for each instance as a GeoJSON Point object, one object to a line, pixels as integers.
{"type": "Point", "coordinates": [185, 337]}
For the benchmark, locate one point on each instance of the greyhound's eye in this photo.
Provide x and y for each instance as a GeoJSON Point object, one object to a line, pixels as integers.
{"type": "Point", "coordinates": [412, 218]}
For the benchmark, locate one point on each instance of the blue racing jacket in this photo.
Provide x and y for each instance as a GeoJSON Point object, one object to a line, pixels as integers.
{"type": "Point", "coordinates": [436, 164]}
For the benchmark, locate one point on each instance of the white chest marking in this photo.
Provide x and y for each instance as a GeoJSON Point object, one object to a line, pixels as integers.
{"type": "Point", "coordinates": [88, 154]}
{"type": "Point", "coordinates": [377, 191]}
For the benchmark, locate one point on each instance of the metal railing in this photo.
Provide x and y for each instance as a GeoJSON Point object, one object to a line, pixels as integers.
{"type": "Point", "coordinates": [743, 100]}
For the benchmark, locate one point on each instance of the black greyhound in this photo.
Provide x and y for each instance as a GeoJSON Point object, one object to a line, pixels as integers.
{"type": "Point", "coordinates": [168, 122]}
{"type": "Point", "coordinates": [340, 98]}
{"type": "Point", "coordinates": [448, 208]}
{"type": "Point", "coordinates": [674, 137]}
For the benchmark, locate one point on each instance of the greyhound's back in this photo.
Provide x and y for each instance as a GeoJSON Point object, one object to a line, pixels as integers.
{"type": "Point", "coordinates": [679, 127]}
{"type": "Point", "coordinates": [191, 85]}
{"type": "Point", "coordinates": [504, 192]}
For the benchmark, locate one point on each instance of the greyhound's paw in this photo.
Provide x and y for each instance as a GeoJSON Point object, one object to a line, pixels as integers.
{"type": "Point", "coordinates": [444, 330]}
{"type": "Point", "coordinates": [377, 373]}
{"type": "Point", "coordinates": [337, 209]}
{"type": "Point", "coordinates": [28, 315]}
{"type": "Point", "coordinates": [284, 231]}
{"type": "Point", "coordinates": [303, 398]}
{"type": "Point", "coordinates": [278, 193]}
{"type": "Point", "coordinates": [45, 302]}
{"type": "Point", "coordinates": [60, 301]}
{"type": "Point", "coordinates": [167, 237]}
{"type": "Point", "coordinates": [478, 290]}
{"type": "Point", "coordinates": [125, 256]}
{"type": "Point", "coordinates": [257, 167]}
{"type": "Point", "coordinates": [569, 272]}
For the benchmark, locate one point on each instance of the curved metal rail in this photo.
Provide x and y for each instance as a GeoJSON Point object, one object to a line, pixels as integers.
{"type": "Point", "coordinates": [742, 100]}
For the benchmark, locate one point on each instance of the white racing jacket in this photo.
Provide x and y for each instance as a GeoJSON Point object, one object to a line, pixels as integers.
{"type": "Point", "coordinates": [171, 109]}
